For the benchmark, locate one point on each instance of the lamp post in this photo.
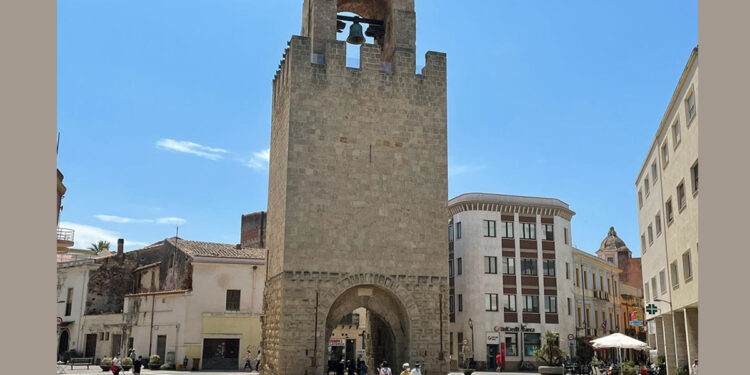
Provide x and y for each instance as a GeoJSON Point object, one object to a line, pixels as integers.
{"type": "Point", "coordinates": [471, 326]}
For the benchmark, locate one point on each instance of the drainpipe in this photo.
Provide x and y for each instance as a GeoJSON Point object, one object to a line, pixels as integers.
{"type": "Point", "coordinates": [151, 331]}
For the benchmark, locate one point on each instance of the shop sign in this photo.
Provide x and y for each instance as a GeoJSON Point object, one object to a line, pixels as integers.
{"type": "Point", "coordinates": [336, 342]}
{"type": "Point", "coordinates": [636, 323]}
{"type": "Point", "coordinates": [493, 338]}
{"type": "Point", "coordinates": [516, 329]}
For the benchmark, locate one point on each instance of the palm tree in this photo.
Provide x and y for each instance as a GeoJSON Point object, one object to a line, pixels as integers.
{"type": "Point", "coordinates": [99, 247]}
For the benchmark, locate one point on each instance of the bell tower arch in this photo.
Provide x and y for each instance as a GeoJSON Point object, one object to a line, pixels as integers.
{"type": "Point", "coordinates": [357, 194]}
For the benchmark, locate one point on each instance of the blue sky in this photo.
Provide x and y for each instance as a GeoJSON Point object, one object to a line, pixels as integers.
{"type": "Point", "coordinates": [164, 106]}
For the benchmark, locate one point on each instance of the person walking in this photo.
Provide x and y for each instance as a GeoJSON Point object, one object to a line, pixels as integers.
{"type": "Point", "coordinates": [694, 368]}
{"type": "Point", "coordinates": [116, 365]}
{"type": "Point", "coordinates": [137, 365]}
{"type": "Point", "coordinates": [362, 368]}
{"type": "Point", "coordinates": [257, 363]}
{"type": "Point", "coordinates": [384, 369]}
{"type": "Point", "coordinates": [248, 359]}
{"type": "Point", "coordinates": [405, 366]}
{"type": "Point", "coordinates": [417, 370]}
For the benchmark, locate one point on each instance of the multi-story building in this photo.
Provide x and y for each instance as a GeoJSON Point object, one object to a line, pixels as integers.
{"type": "Point", "coordinates": [510, 267]}
{"type": "Point", "coordinates": [667, 193]}
{"type": "Point", "coordinates": [64, 235]}
{"type": "Point", "coordinates": [597, 290]}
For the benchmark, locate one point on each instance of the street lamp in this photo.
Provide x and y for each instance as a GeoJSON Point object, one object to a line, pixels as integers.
{"type": "Point", "coordinates": [471, 325]}
{"type": "Point", "coordinates": [661, 300]}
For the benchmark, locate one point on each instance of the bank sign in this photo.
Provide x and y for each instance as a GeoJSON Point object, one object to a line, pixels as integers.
{"type": "Point", "coordinates": [493, 338]}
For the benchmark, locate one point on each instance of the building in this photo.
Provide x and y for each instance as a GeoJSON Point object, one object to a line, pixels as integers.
{"type": "Point", "coordinates": [349, 339]}
{"type": "Point", "coordinates": [357, 192]}
{"type": "Point", "coordinates": [510, 265]}
{"type": "Point", "coordinates": [175, 298]}
{"type": "Point", "coordinates": [667, 198]}
{"type": "Point", "coordinates": [598, 310]}
{"type": "Point", "coordinates": [65, 236]}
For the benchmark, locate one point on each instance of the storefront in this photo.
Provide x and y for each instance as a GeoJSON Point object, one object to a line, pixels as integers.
{"type": "Point", "coordinates": [221, 354]}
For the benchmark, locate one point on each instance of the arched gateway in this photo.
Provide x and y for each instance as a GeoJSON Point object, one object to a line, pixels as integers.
{"type": "Point", "coordinates": [357, 200]}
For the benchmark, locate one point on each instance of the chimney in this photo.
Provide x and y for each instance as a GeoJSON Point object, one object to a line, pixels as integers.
{"type": "Point", "coordinates": [120, 246]}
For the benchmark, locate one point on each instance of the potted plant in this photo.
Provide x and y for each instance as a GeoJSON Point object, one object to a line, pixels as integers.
{"type": "Point", "coordinates": [105, 364]}
{"type": "Point", "coordinates": [127, 363]}
{"type": "Point", "coordinates": [550, 355]}
{"type": "Point", "coordinates": [154, 362]}
{"type": "Point", "coordinates": [629, 368]}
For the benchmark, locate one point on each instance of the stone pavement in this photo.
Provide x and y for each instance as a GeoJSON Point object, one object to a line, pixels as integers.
{"type": "Point", "coordinates": [98, 370]}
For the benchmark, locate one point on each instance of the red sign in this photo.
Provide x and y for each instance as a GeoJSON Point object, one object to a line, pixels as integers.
{"type": "Point", "coordinates": [336, 342]}
{"type": "Point", "coordinates": [59, 320]}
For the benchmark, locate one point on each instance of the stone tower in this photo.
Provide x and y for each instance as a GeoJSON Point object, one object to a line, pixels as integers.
{"type": "Point", "coordinates": [357, 200]}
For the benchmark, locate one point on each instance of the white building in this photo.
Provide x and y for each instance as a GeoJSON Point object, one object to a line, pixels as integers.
{"type": "Point", "coordinates": [667, 198]}
{"type": "Point", "coordinates": [511, 264]}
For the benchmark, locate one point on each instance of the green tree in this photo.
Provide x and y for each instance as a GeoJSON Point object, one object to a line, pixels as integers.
{"type": "Point", "coordinates": [99, 246]}
{"type": "Point", "coordinates": [550, 353]}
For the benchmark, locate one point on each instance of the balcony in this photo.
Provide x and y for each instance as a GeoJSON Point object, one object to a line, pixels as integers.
{"type": "Point", "coordinates": [65, 239]}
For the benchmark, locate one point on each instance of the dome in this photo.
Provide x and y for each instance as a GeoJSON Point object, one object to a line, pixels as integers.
{"type": "Point", "coordinates": [612, 242]}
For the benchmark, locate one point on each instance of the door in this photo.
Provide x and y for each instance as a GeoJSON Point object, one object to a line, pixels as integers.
{"type": "Point", "coordinates": [351, 349]}
{"type": "Point", "coordinates": [62, 347]}
{"type": "Point", "coordinates": [90, 345]}
{"type": "Point", "coordinates": [492, 352]}
{"type": "Point", "coordinates": [221, 354]}
{"type": "Point", "coordinates": [161, 347]}
{"type": "Point", "coordinates": [116, 345]}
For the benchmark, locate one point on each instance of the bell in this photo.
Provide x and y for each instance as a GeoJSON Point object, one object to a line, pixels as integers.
{"type": "Point", "coordinates": [355, 34]}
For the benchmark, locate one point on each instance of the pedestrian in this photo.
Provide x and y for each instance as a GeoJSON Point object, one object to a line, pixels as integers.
{"type": "Point", "coordinates": [695, 367]}
{"type": "Point", "coordinates": [417, 370]}
{"type": "Point", "coordinates": [257, 363]}
{"type": "Point", "coordinates": [350, 368]}
{"type": "Point", "coordinates": [137, 365]}
{"type": "Point", "coordinates": [248, 359]}
{"type": "Point", "coordinates": [116, 365]}
{"type": "Point", "coordinates": [362, 368]}
{"type": "Point", "coordinates": [384, 369]}
{"type": "Point", "coordinates": [405, 366]}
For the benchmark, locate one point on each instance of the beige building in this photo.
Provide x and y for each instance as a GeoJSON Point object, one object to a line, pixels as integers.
{"type": "Point", "coordinates": [667, 198]}
{"type": "Point", "coordinates": [598, 310]}
{"type": "Point", "coordinates": [510, 265]}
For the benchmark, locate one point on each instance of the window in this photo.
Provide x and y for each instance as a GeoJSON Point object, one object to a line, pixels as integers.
{"type": "Point", "coordinates": [611, 260]}
{"type": "Point", "coordinates": [653, 287]}
{"type": "Point", "coordinates": [511, 344]}
{"type": "Point", "coordinates": [694, 177]}
{"type": "Point", "coordinates": [531, 343]}
{"type": "Point", "coordinates": [569, 308]}
{"type": "Point", "coordinates": [490, 302]}
{"type": "Point", "coordinates": [664, 155]}
{"type": "Point", "coordinates": [681, 200]}
{"type": "Point", "coordinates": [567, 270]}
{"type": "Point", "coordinates": [650, 234]}
{"type": "Point", "coordinates": [654, 171]}
{"type": "Point", "coordinates": [549, 232]}
{"type": "Point", "coordinates": [690, 107]}
{"type": "Point", "coordinates": [528, 231]}
{"type": "Point", "coordinates": [662, 281]}
{"type": "Point", "coordinates": [580, 322]}
{"type": "Point", "coordinates": [687, 267]}
{"type": "Point", "coordinates": [451, 344]}
{"type": "Point", "coordinates": [565, 235]}
{"type": "Point", "coordinates": [489, 228]}
{"type": "Point", "coordinates": [585, 279]}
{"type": "Point", "coordinates": [608, 285]}
{"type": "Point", "coordinates": [550, 304]}
{"type": "Point", "coordinates": [506, 229]}
{"type": "Point", "coordinates": [648, 292]}
{"type": "Point", "coordinates": [509, 266]}
{"type": "Point", "coordinates": [548, 267]}
{"type": "Point", "coordinates": [640, 199]}
{"type": "Point", "coordinates": [69, 302]}
{"type": "Point", "coordinates": [450, 233]}
{"type": "Point", "coordinates": [674, 276]}
{"type": "Point", "coordinates": [459, 268]}
{"type": "Point", "coordinates": [458, 230]}
{"type": "Point", "coordinates": [452, 304]}
{"type": "Point", "coordinates": [668, 210]}
{"type": "Point", "coordinates": [643, 243]}
{"type": "Point", "coordinates": [676, 136]}
{"type": "Point", "coordinates": [509, 302]}
{"type": "Point", "coordinates": [528, 267]}
{"type": "Point", "coordinates": [450, 267]}
{"type": "Point", "coordinates": [460, 303]}
{"type": "Point", "coordinates": [578, 277]}
{"type": "Point", "coordinates": [233, 300]}
{"type": "Point", "coordinates": [657, 221]}
{"type": "Point", "coordinates": [531, 304]}
{"type": "Point", "coordinates": [647, 187]}
{"type": "Point", "coordinates": [601, 282]}
{"type": "Point", "coordinates": [106, 336]}
{"type": "Point", "coordinates": [130, 343]}
{"type": "Point", "coordinates": [490, 265]}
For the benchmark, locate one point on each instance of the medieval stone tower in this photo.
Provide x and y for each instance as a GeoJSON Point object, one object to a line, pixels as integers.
{"type": "Point", "coordinates": [357, 201]}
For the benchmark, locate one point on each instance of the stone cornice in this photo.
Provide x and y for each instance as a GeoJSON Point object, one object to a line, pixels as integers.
{"type": "Point", "coordinates": [479, 205]}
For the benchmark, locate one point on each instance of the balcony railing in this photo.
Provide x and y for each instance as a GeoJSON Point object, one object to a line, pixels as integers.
{"type": "Point", "coordinates": [65, 234]}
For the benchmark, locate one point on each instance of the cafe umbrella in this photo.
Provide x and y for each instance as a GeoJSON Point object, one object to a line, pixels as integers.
{"type": "Point", "coordinates": [619, 341]}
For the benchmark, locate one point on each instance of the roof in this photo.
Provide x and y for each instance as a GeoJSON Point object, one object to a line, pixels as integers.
{"type": "Point", "coordinates": [216, 250]}
{"type": "Point", "coordinates": [510, 203]}
{"type": "Point", "coordinates": [595, 259]}
{"type": "Point", "coordinates": [612, 242]}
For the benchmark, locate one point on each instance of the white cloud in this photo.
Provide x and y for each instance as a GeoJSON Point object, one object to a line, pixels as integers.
{"type": "Point", "coordinates": [188, 147]}
{"type": "Point", "coordinates": [121, 220]}
{"type": "Point", "coordinates": [171, 220]}
{"type": "Point", "coordinates": [463, 168]}
{"type": "Point", "coordinates": [85, 235]}
{"type": "Point", "coordinates": [260, 159]}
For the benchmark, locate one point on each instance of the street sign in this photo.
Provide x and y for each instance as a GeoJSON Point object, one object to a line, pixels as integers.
{"type": "Point", "coordinates": [571, 336]}
{"type": "Point", "coordinates": [651, 309]}
{"type": "Point", "coordinates": [59, 321]}
{"type": "Point", "coordinates": [466, 342]}
{"type": "Point", "coordinates": [636, 323]}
